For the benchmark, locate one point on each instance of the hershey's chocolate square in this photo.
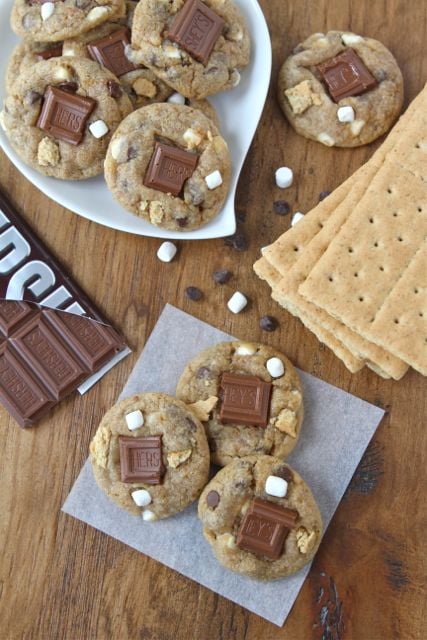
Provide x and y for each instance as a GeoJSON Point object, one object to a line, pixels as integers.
{"type": "Point", "coordinates": [246, 400]}
{"type": "Point", "coordinates": [64, 115]}
{"type": "Point", "coordinates": [141, 459]}
{"type": "Point", "coordinates": [110, 52]}
{"type": "Point", "coordinates": [169, 168]}
{"type": "Point", "coordinates": [196, 29]}
{"type": "Point", "coordinates": [52, 52]}
{"type": "Point", "coordinates": [265, 528]}
{"type": "Point", "coordinates": [346, 75]}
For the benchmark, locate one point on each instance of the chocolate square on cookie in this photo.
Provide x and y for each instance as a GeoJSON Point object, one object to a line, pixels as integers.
{"type": "Point", "coordinates": [64, 115]}
{"type": "Point", "coordinates": [246, 400]}
{"type": "Point", "coordinates": [141, 459]}
{"type": "Point", "coordinates": [169, 168]}
{"type": "Point", "coordinates": [346, 75]}
{"type": "Point", "coordinates": [265, 528]}
{"type": "Point", "coordinates": [196, 29]}
{"type": "Point", "coordinates": [111, 52]}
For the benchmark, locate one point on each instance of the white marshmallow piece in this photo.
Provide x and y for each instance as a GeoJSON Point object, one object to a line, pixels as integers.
{"type": "Point", "coordinates": [351, 38]}
{"type": "Point", "coordinates": [148, 516]}
{"type": "Point", "coordinates": [275, 486]}
{"type": "Point", "coordinates": [47, 9]}
{"type": "Point", "coordinates": [134, 420]}
{"type": "Point", "coordinates": [275, 367]}
{"type": "Point", "coordinates": [141, 497]}
{"type": "Point", "coordinates": [284, 177]}
{"type": "Point", "coordinates": [296, 218]}
{"type": "Point", "coordinates": [176, 98]}
{"type": "Point", "coordinates": [167, 252]}
{"type": "Point", "coordinates": [346, 114]}
{"type": "Point", "coordinates": [237, 302]}
{"type": "Point", "coordinates": [98, 129]}
{"type": "Point", "coordinates": [246, 349]}
{"type": "Point", "coordinates": [214, 180]}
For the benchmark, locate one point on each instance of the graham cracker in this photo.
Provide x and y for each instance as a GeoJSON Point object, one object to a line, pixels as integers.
{"type": "Point", "coordinates": [370, 254]}
{"type": "Point", "coordinates": [268, 273]}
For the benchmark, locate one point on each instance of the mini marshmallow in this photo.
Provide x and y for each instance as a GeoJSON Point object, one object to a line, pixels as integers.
{"type": "Point", "coordinates": [214, 180]}
{"type": "Point", "coordinates": [296, 218]}
{"type": "Point", "coordinates": [246, 349]}
{"type": "Point", "coordinates": [345, 114]}
{"type": "Point", "coordinates": [275, 367]}
{"type": "Point", "coordinates": [176, 98]}
{"type": "Point", "coordinates": [284, 177]}
{"type": "Point", "coordinates": [134, 420]}
{"type": "Point", "coordinates": [98, 129]}
{"type": "Point", "coordinates": [141, 497]}
{"type": "Point", "coordinates": [148, 516]}
{"type": "Point", "coordinates": [166, 252]}
{"type": "Point", "coordinates": [357, 126]}
{"type": "Point", "coordinates": [47, 9]}
{"type": "Point", "coordinates": [274, 486]}
{"type": "Point", "coordinates": [326, 139]}
{"type": "Point", "coordinates": [172, 52]}
{"type": "Point", "coordinates": [237, 302]}
{"type": "Point", "coordinates": [351, 38]}
{"type": "Point", "coordinates": [97, 13]}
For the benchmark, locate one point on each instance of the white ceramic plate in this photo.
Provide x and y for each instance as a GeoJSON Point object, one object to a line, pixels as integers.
{"type": "Point", "coordinates": [239, 111]}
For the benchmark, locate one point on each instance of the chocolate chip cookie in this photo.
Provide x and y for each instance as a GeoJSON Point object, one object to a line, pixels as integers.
{"type": "Point", "coordinates": [56, 20]}
{"type": "Point", "coordinates": [252, 398]}
{"type": "Point", "coordinates": [260, 518]}
{"type": "Point", "coordinates": [168, 164]}
{"type": "Point", "coordinates": [341, 89]}
{"type": "Point", "coordinates": [61, 115]}
{"type": "Point", "coordinates": [196, 47]}
{"type": "Point", "coordinates": [150, 455]}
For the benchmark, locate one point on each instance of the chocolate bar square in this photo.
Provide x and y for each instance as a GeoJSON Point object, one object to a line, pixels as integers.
{"type": "Point", "coordinates": [111, 52]}
{"type": "Point", "coordinates": [246, 400]}
{"type": "Point", "coordinates": [141, 459]}
{"type": "Point", "coordinates": [265, 528]}
{"type": "Point", "coordinates": [64, 115]}
{"type": "Point", "coordinates": [169, 168]}
{"type": "Point", "coordinates": [52, 52]}
{"type": "Point", "coordinates": [196, 29]}
{"type": "Point", "coordinates": [346, 75]}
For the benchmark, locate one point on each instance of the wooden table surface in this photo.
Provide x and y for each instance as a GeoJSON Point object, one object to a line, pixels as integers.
{"type": "Point", "coordinates": [61, 579]}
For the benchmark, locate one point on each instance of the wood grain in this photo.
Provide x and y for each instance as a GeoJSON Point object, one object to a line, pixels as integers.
{"type": "Point", "coordinates": [60, 579]}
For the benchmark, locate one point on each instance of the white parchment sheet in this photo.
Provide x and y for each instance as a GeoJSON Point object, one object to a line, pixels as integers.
{"type": "Point", "coordinates": [336, 431]}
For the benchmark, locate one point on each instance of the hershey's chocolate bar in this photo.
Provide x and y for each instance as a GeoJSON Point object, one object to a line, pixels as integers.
{"type": "Point", "coordinates": [53, 339]}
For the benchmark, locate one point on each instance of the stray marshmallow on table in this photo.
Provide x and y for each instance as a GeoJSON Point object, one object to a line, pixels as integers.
{"type": "Point", "coordinates": [284, 177]}
{"type": "Point", "coordinates": [214, 180]}
{"type": "Point", "coordinates": [296, 218]}
{"type": "Point", "coordinates": [275, 486]}
{"type": "Point", "coordinates": [346, 114]}
{"type": "Point", "coordinates": [237, 302]}
{"type": "Point", "coordinates": [167, 252]}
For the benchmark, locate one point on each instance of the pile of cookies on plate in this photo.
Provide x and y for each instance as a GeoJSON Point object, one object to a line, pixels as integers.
{"type": "Point", "coordinates": [238, 405]}
{"type": "Point", "coordinates": [121, 85]}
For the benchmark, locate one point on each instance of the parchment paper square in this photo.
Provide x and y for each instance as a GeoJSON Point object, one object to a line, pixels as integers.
{"type": "Point", "coordinates": [336, 431]}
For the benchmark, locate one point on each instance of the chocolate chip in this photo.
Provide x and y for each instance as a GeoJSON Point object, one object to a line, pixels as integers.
{"type": "Point", "coordinates": [114, 89]}
{"type": "Point", "coordinates": [193, 293]}
{"type": "Point", "coordinates": [31, 97]}
{"type": "Point", "coordinates": [221, 276]}
{"type": "Point", "coordinates": [191, 424]}
{"type": "Point", "coordinates": [71, 87]}
{"type": "Point", "coordinates": [241, 217]}
{"type": "Point", "coordinates": [212, 499]}
{"type": "Point", "coordinates": [381, 75]}
{"type": "Point", "coordinates": [237, 241]}
{"type": "Point", "coordinates": [203, 373]}
{"type": "Point", "coordinates": [281, 207]}
{"type": "Point", "coordinates": [268, 323]}
{"type": "Point", "coordinates": [323, 195]}
{"type": "Point", "coordinates": [212, 445]}
{"type": "Point", "coordinates": [132, 153]}
{"type": "Point", "coordinates": [285, 473]}
{"type": "Point", "coordinates": [182, 222]}
{"type": "Point", "coordinates": [82, 4]}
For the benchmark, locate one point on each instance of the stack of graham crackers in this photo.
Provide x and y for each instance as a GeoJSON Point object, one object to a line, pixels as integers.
{"type": "Point", "coordinates": [354, 269]}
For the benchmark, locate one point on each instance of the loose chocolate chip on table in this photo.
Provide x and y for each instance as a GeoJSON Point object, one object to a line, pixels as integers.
{"type": "Point", "coordinates": [221, 276]}
{"type": "Point", "coordinates": [212, 499]}
{"type": "Point", "coordinates": [193, 293]}
{"type": "Point", "coordinates": [281, 207]}
{"type": "Point", "coordinates": [323, 195]}
{"type": "Point", "coordinates": [237, 241]}
{"type": "Point", "coordinates": [268, 323]}
{"type": "Point", "coordinates": [241, 217]}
